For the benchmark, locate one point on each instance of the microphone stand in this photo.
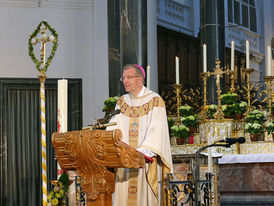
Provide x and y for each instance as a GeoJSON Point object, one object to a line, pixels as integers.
{"type": "Point", "coordinates": [196, 169]}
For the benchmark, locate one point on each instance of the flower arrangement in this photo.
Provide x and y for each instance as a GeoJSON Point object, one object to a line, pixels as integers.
{"type": "Point", "coordinates": [211, 110]}
{"type": "Point", "coordinates": [240, 108]}
{"type": "Point", "coordinates": [190, 121]}
{"type": "Point", "coordinates": [59, 192]}
{"type": "Point", "coordinates": [180, 131]}
{"type": "Point", "coordinates": [255, 116]}
{"type": "Point", "coordinates": [269, 127]}
{"type": "Point", "coordinates": [254, 128]}
{"type": "Point", "coordinates": [109, 104]}
{"type": "Point", "coordinates": [229, 110]}
{"type": "Point", "coordinates": [185, 110]}
{"type": "Point", "coordinates": [229, 98]}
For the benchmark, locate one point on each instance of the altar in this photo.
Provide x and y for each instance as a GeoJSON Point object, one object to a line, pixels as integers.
{"type": "Point", "coordinates": [246, 179]}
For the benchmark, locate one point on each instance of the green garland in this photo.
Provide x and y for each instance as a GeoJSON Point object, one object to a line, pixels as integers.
{"type": "Point", "coordinates": [53, 50]}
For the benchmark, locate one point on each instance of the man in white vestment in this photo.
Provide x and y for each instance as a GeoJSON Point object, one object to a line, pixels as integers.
{"type": "Point", "coordinates": [143, 123]}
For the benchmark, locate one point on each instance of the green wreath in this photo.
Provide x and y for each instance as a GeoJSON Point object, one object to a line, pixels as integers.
{"type": "Point", "coordinates": [53, 50]}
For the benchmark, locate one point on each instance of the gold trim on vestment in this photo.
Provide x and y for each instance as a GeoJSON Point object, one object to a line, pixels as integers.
{"type": "Point", "coordinates": [142, 110]}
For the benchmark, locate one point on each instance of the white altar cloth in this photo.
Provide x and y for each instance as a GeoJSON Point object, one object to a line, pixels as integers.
{"type": "Point", "coordinates": [246, 158]}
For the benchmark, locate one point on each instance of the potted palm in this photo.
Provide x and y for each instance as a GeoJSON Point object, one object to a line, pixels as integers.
{"type": "Point", "coordinates": [181, 132]}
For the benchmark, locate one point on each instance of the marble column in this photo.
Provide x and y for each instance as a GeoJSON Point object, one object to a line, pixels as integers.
{"type": "Point", "coordinates": [213, 35]}
{"type": "Point", "coordinates": [127, 39]}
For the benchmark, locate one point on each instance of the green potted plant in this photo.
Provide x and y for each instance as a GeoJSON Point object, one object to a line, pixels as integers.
{"type": "Point", "coordinates": [211, 110]}
{"type": "Point", "coordinates": [269, 127]}
{"type": "Point", "coordinates": [181, 132]}
{"type": "Point", "coordinates": [240, 109]}
{"type": "Point", "coordinates": [254, 125]}
{"type": "Point", "coordinates": [191, 122]}
{"type": "Point", "coordinates": [185, 110]}
{"type": "Point", "coordinates": [228, 110]}
{"type": "Point", "coordinates": [229, 98]}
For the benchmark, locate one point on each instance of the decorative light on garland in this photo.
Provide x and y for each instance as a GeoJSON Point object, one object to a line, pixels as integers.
{"type": "Point", "coordinates": [33, 40]}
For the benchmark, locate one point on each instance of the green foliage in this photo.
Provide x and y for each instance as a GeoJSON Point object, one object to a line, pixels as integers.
{"type": "Point", "coordinates": [109, 104]}
{"type": "Point", "coordinates": [255, 116]}
{"type": "Point", "coordinates": [170, 121]}
{"type": "Point", "coordinates": [254, 128]}
{"type": "Point", "coordinates": [185, 110]}
{"type": "Point", "coordinates": [240, 108]}
{"type": "Point", "coordinates": [269, 127]}
{"type": "Point", "coordinates": [190, 121]}
{"type": "Point", "coordinates": [229, 98]}
{"type": "Point", "coordinates": [38, 63]}
{"type": "Point", "coordinates": [180, 131]}
{"type": "Point", "coordinates": [211, 110]}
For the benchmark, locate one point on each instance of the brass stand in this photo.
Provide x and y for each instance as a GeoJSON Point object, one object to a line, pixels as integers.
{"type": "Point", "coordinates": [204, 76]}
{"type": "Point", "coordinates": [232, 77]}
{"type": "Point", "coordinates": [268, 81]}
{"type": "Point", "coordinates": [218, 73]}
{"type": "Point", "coordinates": [178, 89]}
{"type": "Point", "coordinates": [248, 72]}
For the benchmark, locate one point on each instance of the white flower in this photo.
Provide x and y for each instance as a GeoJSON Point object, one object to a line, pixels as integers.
{"type": "Point", "coordinates": [247, 126]}
{"type": "Point", "coordinates": [212, 106]}
{"type": "Point", "coordinates": [243, 104]}
{"type": "Point", "coordinates": [256, 126]}
{"type": "Point", "coordinates": [224, 107]}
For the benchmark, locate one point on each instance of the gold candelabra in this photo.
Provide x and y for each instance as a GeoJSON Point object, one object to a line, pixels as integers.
{"type": "Point", "coordinates": [249, 87]}
{"type": "Point", "coordinates": [232, 78]}
{"type": "Point", "coordinates": [204, 76]}
{"type": "Point", "coordinates": [268, 81]}
{"type": "Point", "coordinates": [178, 89]}
{"type": "Point", "coordinates": [218, 73]}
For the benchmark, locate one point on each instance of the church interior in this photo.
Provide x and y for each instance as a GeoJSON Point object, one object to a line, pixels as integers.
{"type": "Point", "coordinates": [211, 62]}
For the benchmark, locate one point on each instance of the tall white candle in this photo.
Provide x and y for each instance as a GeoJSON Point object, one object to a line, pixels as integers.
{"type": "Point", "coordinates": [247, 54]}
{"type": "Point", "coordinates": [232, 55]}
{"type": "Point", "coordinates": [177, 70]}
{"type": "Point", "coordinates": [148, 77]}
{"type": "Point", "coordinates": [204, 58]}
{"type": "Point", "coordinates": [268, 61]}
{"type": "Point", "coordinates": [62, 111]}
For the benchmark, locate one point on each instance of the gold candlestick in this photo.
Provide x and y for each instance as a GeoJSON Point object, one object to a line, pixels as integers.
{"type": "Point", "coordinates": [268, 81]}
{"type": "Point", "coordinates": [218, 73]}
{"type": "Point", "coordinates": [178, 89]}
{"type": "Point", "coordinates": [204, 76]}
{"type": "Point", "coordinates": [232, 78]}
{"type": "Point", "coordinates": [248, 72]}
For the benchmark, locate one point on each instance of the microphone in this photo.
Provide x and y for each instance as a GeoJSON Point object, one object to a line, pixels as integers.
{"type": "Point", "coordinates": [231, 141]}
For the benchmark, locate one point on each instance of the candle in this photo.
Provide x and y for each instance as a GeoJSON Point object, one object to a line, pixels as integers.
{"type": "Point", "coordinates": [148, 77]}
{"type": "Point", "coordinates": [247, 54]}
{"type": "Point", "coordinates": [204, 58]}
{"type": "Point", "coordinates": [232, 55]}
{"type": "Point", "coordinates": [62, 111]}
{"type": "Point", "coordinates": [62, 105]}
{"type": "Point", "coordinates": [268, 61]}
{"type": "Point", "coordinates": [177, 70]}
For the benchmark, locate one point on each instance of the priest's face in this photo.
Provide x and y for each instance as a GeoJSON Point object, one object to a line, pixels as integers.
{"type": "Point", "coordinates": [132, 81]}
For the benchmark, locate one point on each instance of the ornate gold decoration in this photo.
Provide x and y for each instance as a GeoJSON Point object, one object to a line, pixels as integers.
{"type": "Point", "coordinates": [268, 82]}
{"type": "Point", "coordinates": [218, 73]}
{"type": "Point", "coordinates": [248, 72]}
{"type": "Point", "coordinates": [203, 113]}
{"type": "Point", "coordinates": [178, 88]}
{"type": "Point", "coordinates": [90, 153]}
